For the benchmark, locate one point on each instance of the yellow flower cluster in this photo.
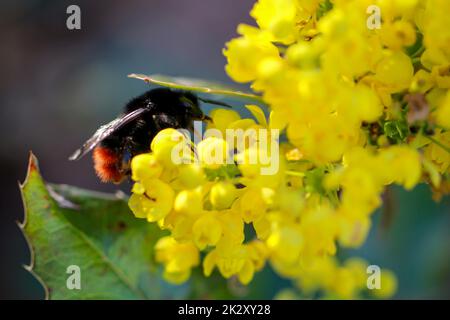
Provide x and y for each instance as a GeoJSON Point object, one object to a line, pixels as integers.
{"type": "Point", "coordinates": [361, 107]}
{"type": "Point", "coordinates": [200, 202]}
{"type": "Point", "coordinates": [344, 281]}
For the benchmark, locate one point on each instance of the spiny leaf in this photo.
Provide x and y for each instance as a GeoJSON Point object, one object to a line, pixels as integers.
{"type": "Point", "coordinates": [112, 248]}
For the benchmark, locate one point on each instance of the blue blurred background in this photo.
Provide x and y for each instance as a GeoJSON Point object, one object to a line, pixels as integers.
{"type": "Point", "coordinates": [58, 85]}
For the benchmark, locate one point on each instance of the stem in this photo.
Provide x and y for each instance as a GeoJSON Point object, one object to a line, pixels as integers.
{"type": "Point", "coordinates": [294, 173]}
{"type": "Point", "coordinates": [415, 60]}
{"type": "Point", "coordinates": [438, 143]}
{"type": "Point", "coordinates": [333, 197]}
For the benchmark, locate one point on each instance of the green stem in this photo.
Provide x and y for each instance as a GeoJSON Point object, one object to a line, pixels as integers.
{"type": "Point", "coordinates": [438, 143]}
{"type": "Point", "coordinates": [333, 197]}
{"type": "Point", "coordinates": [415, 60]}
{"type": "Point", "coordinates": [294, 173]}
{"type": "Point", "coordinates": [419, 52]}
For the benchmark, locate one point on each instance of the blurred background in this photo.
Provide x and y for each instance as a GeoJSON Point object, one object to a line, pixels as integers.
{"type": "Point", "coordinates": [58, 85]}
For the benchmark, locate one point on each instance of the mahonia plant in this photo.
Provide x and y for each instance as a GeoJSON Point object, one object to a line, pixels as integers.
{"type": "Point", "coordinates": [359, 109]}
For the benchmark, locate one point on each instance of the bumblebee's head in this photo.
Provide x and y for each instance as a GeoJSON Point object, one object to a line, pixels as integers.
{"type": "Point", "coordinates": [192, 108]}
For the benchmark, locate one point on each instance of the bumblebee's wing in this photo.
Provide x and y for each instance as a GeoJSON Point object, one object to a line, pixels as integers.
{"type": "Point", "coordinates": [105, 131]}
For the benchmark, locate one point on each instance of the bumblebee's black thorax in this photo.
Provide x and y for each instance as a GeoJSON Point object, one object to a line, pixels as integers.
{"type": "Point", "coordinates": [166, 109]}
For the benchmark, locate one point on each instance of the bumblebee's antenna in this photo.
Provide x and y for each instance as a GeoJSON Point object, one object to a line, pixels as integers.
{"type": "Point", "coordinates": [219, 103]}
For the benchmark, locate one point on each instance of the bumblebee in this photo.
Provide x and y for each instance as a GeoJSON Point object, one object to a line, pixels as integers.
{"type": "Point", "coordinates": [116, 143]}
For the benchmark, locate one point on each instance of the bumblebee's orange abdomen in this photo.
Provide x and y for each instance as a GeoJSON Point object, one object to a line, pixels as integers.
{"type": "Point", "coordinates": [106, 165]}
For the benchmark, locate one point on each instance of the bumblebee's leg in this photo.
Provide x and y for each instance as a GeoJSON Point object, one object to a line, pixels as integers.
{"type": "Point", "coordinates": [124, 166]}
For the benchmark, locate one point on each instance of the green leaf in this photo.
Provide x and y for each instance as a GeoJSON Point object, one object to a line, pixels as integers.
{"type": "Point", "coordinates": [228, 171]}
{"type": "Point", "coordinates": [67, 226]}
{"type": "Point", "coordinates": [396, 129]}
{"type": "Point", "coordinates": [196, 85]}
{"type": "Point", "coordinates": [314, 180]}
{"type": "Point", "coordinates": [323, 9]}
{"type": "Point", "coordinates": [416, 50]}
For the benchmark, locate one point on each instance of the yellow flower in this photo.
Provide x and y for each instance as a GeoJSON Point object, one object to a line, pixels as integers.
{"type": "Point", "coordinates": [244, 53]}
{"type": "Point", "coordinates": [207, 230]}
{"type": "Point", "coordinates": [290, 200]}
{"type": "Point", "coordinates": [402, 165]}
{"type": "Point", "coordinates": [285, 244]}
{"type": "Point", "coordinates": [242, 260]}
{"type": "Point", "coordinates": [252, 205]}
{"type": "Point", "coordinates": [262, 228]}
{"type": "Point", "coordinates": [422, 82]}
{"type": "Point", "coordinates": [388, 285]}
{"type": "Point", "coordinates": [443, 112]}
{"type": "Point", "coordinates": [438, 155]}
{"type": "Point", "coordinates": [398, 34]}
{"type": "Point", "coordinates": [145, 166]}
{"type": "Point", "coordinates": [168, 146]}
{"type": "Point", "coordinates": [178, 259]}
{"type": "Point", "coordinates": [436, 35]}
{"type": "Point", "coordinates": [189, 202]}
{"type": "Point", "coordinates": [358, 104]}
{"type": "Point", "coordinates": [245, 275]}
{"type": "Point", "coordinates": [222, 195]}
{"type": "Point", "coordinates": [191, 175]}
{"type": "Point", "coordinates": [397, 8]}
{"type": "Point", "coordinates": [229, 261]}
{"type": "Point", "coordinates": [260, 166]}
{"type": "Point", "coordinates": [283, 18]}
{"type": "Point", "coordinates": [324, 139]}
{"type": "Point", "coordinates": [352, 230]}
{"type": "Point", "coordinates": [154, 201]}
{"type": "Point", "coordinates": [319, 228]}
{"type": "Point", "coordinates": [222, 118]}
{"type": "Point", "coordinates": [233, 227]}
{"type": "Point", "coordinates": [358, 267]}
{"type": "Point", "coordinates": [258, 254]}
{"type": "Point", "coordinates": [212, 152]}
{"type": "Point", "coordinates": [395, 71]}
